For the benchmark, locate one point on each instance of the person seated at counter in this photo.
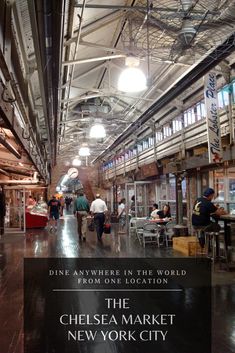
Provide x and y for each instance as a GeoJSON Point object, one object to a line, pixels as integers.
{"type": "Point", "coordinates": [30, 201]}
{"type": "Point", "coordinates": [203, 209]}
{"type": "Point", "coordinates": [154, 212]}
{"type": "Point", "coordinates": [165, 212]}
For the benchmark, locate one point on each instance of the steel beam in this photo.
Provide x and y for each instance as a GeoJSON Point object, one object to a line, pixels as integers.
{"type": "Point", "coordinates": [143, 8]}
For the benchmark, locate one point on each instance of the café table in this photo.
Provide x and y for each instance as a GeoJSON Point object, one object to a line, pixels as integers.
{"type": "Point", "coordinates": [160, 221]}
{"type": "Point", "coordinates": [227, 219]}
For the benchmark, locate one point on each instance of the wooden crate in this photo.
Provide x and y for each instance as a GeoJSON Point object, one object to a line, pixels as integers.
{"type": "Point", "coordinates": [186, 245]}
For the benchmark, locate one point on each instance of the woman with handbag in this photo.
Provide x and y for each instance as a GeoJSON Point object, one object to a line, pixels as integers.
{"type": "Point", "coordinates": [122, 215]}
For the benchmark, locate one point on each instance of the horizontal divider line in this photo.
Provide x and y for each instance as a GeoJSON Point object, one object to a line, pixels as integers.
{"type": "Point", "coordinates": [116, 290]}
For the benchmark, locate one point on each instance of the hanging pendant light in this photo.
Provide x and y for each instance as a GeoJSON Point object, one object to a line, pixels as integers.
{"type": "Point", "coordinates": [76, 162]}
{"type": "Point", "coordinates": [84, 151]}
{"type": "Point", "coordinates": [132, 79]}
{"type": "Point", "coordinates": [97, 131]}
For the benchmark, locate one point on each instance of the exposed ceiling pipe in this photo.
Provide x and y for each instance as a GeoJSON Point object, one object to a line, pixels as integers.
{"type": "Point", "coordinates": [19, 182]}
{"type": "Point", "coordinates": [9, 147]}
{"type": "Point", "coordinates": [89, 60]}
{"type": "Point", "coordinates": [33, 180]}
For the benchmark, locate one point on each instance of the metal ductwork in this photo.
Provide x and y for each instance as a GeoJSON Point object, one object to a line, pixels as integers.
{"type": "Point", "coordinates": [9, 146]}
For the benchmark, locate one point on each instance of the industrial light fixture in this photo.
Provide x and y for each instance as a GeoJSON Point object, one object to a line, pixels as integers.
{"type": "Point", "coordinates": [84, 151]}
{"type": "Point", "coordinates": [132, 79]}
{"type": "Point", "coordinates": [97, 131]}
{"type": "Point", "coordinates": [76, 162]}
{"type": "Point", "coordinates": [64, 180]}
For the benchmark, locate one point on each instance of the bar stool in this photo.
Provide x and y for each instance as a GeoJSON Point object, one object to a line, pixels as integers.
{"type": "Point", "coordinates": [214, 240]}
{"type": "Point", "coordinates": [199, 230]}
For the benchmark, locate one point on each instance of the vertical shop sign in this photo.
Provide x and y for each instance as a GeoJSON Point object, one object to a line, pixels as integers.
{"type": "Point", "coordinates": [213, 122]}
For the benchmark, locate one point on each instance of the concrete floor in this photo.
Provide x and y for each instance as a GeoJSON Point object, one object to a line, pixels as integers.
{"type": "Point", "coordinates": [64, 243]}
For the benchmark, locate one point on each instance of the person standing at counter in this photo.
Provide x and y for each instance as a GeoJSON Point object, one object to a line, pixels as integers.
{"type": "Point", "coordinates": [53, 212]}
{"type": "Point", "coordinates": [30, 201]}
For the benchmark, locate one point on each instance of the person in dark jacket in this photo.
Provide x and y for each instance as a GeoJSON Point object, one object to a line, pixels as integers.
{"type": "Point", "coordinates": [203, 209]}
{"type": "Point", "coordinates": [165, 213]}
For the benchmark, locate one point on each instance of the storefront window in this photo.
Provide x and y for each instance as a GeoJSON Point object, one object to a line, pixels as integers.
{"type": "Point", "coordinates": [177, 124]}
{"type": "Point", "coordinates": [231, 184]}
{"type": "Point", "coordinates": [184, 190]}
{"type": "Point", "coordinates": [231, 209]}
{"type": "Point", "coordinates": [204, 182]}
{"type": "Point", "coordinates": [151, 141]}
{"type": "Point", "coordinates": [220, 100]}
{"type": "Point", "coordinates": [140, 147]}
{"type": "Point", "coordinates": [167, 131]}
{"type": "Point", "coordinates": [171, 189]}
{"type": "Point", "coordinates": [225, 92]}
{"type": "Point", "coordinates": [219, 186]}
{"type": "Point", "coordinates": [163, 189]}
{"type": "Point", "coordinates": [159, 136]}
{"type": "Point", "coordinates": [145, 144]}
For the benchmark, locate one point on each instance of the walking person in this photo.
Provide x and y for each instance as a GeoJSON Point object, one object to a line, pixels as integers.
{"type": "Point", "coordinates": [67, 201]}
{"type": "Point", "coordinates": [99, 209]}
{"type": "Point", "coordinates": [122, 215]}
{"type": "Point", "coordinates": [81, 209]}
{"type": "Point", "coordinates": [62, 202]}
{"type": "Point", "coordinates": [53, 212]}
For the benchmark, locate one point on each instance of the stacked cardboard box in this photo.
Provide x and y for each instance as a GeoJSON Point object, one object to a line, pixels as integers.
{"type": "Point", "coordinates": [187, 245]}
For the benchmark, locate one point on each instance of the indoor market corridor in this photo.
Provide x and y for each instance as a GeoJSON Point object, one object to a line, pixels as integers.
{"type": "Point", "coordinates": [64, 243]}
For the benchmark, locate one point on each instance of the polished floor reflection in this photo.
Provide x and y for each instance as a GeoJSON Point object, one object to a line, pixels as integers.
{"type": "Point", "coordinates": [65, 243]}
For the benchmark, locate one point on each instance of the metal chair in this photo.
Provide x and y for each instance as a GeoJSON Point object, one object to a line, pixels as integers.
{"type": "Point", "coordinates": [132, 225]}
{"type": "Point", "coordinates": [139, 224]}
{"type": "Point", "coordinates": [151, 234]}
{"type": "Point", "coordinates": [169, 231]}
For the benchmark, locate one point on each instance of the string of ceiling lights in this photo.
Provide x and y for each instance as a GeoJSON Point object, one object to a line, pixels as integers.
{"type": "Point", "coordinates": [131, 80]}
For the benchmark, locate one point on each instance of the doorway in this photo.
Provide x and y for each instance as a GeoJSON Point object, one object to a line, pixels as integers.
{"type": "Point", "coordinates": [15, 210]}
{"type": "Point", "coordinates": [142, 203]}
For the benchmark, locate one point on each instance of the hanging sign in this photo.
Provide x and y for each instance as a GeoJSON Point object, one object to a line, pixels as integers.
{"type": "Point", "coordinates": [213, 122]}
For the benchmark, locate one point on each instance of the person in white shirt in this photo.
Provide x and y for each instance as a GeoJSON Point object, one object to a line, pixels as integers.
{"type": "Point", "coordinates": [98, 209]}
{"type": "Point", "coordinates": [122, 215]}
{"type": "Point", "coordinates": [154, 213]}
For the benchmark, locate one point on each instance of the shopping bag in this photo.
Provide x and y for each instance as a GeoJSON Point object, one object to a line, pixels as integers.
{"type": "Point", "coordinates": [91, 226]}
{"type": "Point", "coordinates": [107, 228]}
